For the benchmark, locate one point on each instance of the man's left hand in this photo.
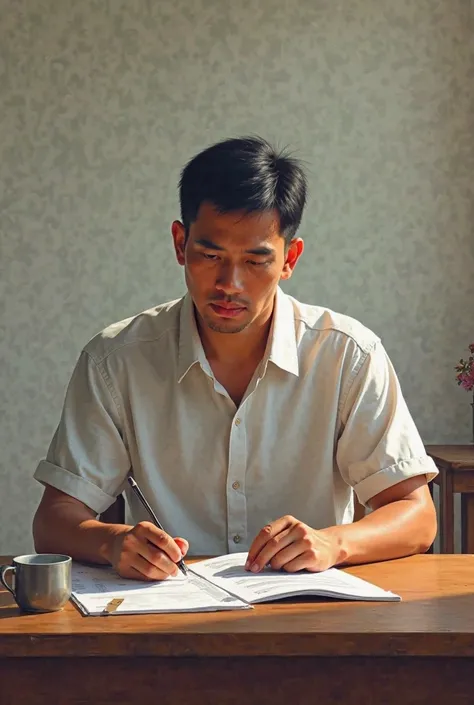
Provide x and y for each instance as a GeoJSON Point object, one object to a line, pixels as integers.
{"type": "Point", "coordinates": [288, 544]}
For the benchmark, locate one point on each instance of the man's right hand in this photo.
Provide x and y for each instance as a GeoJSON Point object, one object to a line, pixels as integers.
{"type": "Point", "coordinates": [63, 524]}
{"type": "Point", "coordinates": [146, 553]}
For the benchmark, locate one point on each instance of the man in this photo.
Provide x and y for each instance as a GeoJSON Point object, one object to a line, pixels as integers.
{"type": "Point", "coordinates": [247, 418]}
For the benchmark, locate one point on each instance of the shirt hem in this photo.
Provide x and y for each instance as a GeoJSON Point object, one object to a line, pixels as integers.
{"type": "Point", "coordinates": [392, 475]}
{"type": "Point", "coordinates": [64, 480]}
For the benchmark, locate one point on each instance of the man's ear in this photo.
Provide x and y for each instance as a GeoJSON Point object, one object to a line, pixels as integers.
{"type": "Point", "coordinates": [293, 253]}
{"type": "Point", "coordinates": [179, 240]}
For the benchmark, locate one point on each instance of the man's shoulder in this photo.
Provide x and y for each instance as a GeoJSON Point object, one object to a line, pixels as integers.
{"type": "Point", "coordinates": [319, 319]}
{"type": "Point", "coordinates": [145, 327]}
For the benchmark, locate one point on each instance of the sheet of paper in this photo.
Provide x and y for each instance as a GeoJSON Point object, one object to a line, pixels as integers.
{"type": "Point", "coordinates": [94, 587]}
{"type": "Point", "coordinates": [228, 572]}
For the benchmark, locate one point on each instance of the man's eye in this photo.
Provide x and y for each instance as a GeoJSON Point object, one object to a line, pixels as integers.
{"type": "Point", "coordinates": [210, 257]}
{"type": "Point", "coordinates": [256, 264]}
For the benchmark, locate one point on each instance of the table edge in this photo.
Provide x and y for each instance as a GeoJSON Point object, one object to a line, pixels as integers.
{"type": "Point", "coordinates": [173, 645]}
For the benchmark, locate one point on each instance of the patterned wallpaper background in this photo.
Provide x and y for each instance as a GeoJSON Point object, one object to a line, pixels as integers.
{"type": "Point", "coordinates": [102, 102]}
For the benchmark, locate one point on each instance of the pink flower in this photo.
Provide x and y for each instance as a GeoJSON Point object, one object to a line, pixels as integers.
{"type": "Point", "coordinates": [468, 384]}
{"type": "Point", "coordinates": [468, 381]}
{"type": "Point", "coordinates": [465, 371]}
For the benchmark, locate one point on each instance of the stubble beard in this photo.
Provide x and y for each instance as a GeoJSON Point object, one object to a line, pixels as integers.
{"type": "Point", "coordinates": [218, 328]}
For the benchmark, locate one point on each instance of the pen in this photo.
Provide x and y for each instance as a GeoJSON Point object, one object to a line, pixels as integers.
{"type": "Point", "coordinates": [181, 564]}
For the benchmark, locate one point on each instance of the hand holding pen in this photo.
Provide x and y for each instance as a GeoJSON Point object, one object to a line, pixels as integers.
{"type": "Point", "coordinates": [146, 551]}
{"type": "Point", "coordinates": [180, 563]}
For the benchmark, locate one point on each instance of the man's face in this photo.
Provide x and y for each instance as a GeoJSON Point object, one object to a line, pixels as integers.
{"type": "Point", "coordinates": [233, 263]}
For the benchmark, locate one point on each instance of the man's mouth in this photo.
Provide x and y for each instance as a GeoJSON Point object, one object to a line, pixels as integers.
{"type": "Point", "coordinates": [227, 310]}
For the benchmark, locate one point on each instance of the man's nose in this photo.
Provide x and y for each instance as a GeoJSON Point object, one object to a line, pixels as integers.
{"type": "Point", "coordinates": [230, 279]}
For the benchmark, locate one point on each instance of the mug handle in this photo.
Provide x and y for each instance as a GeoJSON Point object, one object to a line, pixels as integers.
{"type": "Point", "coordinates": [4, 569]}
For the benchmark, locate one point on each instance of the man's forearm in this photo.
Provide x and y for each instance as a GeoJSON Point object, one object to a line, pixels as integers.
{"type": "Point", "coordinates": [67, 529]}
{"type": "Point", "coordinates": [401, 528]}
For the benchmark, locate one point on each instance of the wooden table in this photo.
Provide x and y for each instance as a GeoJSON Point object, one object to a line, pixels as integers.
{"type": "Point", "coordinates": [420, 650]}
{"type": "Point", "coordinates": [456, 474]}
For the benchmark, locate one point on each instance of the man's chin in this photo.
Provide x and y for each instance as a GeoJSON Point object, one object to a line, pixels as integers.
{"type": "Point", "coordinates": [226, 326]}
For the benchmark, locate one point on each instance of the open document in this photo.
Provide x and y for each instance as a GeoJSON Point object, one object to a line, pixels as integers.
{"type": "Point", "coordinates": [228, 573]}
{"type": "Point", "coordinates": [95, 588]}
{"type": "Point", "coordinates": [214, 584]}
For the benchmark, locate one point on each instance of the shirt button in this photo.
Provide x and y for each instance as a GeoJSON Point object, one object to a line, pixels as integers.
{"type": "Point", "coordinates": [237, 538]}
{"type": "Point", "coordinates": [235, 485]}
{"type": "Point", "coordinates": [237, 422]}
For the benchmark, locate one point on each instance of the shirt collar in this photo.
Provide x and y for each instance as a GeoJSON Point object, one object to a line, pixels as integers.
{"type": "Point", "coordinates": [190, 349]}
{"type": "Point", "coordinates": [281, 348]}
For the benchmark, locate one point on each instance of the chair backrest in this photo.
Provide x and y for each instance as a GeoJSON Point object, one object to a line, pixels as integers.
{"type": "Point", "coordinates": [359, 509]}
{"type": "Point", "coordinates": [115, 514]}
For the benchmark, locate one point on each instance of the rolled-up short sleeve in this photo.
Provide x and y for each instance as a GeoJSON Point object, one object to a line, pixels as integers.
{"type": "Point", "coordinates": [87, 458]}
{"type": "Point", "coordinates": [379, 445]}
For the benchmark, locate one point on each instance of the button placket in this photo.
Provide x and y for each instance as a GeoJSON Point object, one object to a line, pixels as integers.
{"type": "Point", "coordinates": [236, 500]}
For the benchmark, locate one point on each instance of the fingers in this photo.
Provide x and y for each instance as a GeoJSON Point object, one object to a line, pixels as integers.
{"type": "Point", "coordinates": [182, 544]}
{"type": "Point", "coordinates": [269, 532]}
{"type": "Point", "coordinates": [156, 558]}
{"type": "Point", "coordinates": [272, 549]}
{"type": "Point", "coordinates": [312, 560]}
{"type": "Point", "coordinates": [148, 561]}
{"type": "Point", "coordinates": [290, 545]}
{"type": "Point", "coordinates": [160, 539]}
{"type": "Point", "coordinates": [148, 553]}
{"type": "Point", "coordinates": [289, 555]}
{"type": "Point", "coordinates": [140, 569]}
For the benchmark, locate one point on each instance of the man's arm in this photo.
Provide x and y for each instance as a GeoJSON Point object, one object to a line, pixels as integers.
{"type": "Point", "coordinates": [63, 524]}
{"type": "Point", "coordinates": [403, 522]}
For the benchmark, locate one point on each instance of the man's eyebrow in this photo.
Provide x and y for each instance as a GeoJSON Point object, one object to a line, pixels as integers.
{"type": "Point", "coordinates": [208, 244]}
{"type": "Point", "coordinates": [262, 251]}
{"type": "Point", "coordinates": [258, 251]}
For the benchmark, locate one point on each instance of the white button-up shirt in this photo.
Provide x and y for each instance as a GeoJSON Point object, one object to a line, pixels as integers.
{"type": "Point", "coordinates": [323, 416]}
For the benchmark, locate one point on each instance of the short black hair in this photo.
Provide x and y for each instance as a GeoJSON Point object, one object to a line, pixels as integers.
{"type": "Point", "coordinates": [244, 174]}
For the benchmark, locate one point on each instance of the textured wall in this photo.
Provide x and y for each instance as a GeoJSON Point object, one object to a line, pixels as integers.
{"type": "Point", "coordinates": [101, 102]}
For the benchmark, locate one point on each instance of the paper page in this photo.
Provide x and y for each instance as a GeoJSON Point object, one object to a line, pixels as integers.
{"type": "Point", "coordinates": [94, 586]}
{"type": "Point", "coordinates": [228, 572]}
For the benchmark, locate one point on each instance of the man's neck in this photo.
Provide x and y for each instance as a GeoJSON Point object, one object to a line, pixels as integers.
{"type": "Point", "coordinates": [234, 348]}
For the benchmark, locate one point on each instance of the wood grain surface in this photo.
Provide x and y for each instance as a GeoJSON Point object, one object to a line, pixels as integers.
{"type": "Point", "coordinates": [435, 617]}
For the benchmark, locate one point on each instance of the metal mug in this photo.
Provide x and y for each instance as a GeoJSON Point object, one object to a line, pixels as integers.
{"type": "Point", "coordinates": [41, 582]}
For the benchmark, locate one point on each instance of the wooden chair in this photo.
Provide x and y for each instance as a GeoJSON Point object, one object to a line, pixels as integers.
{"type": "Point", "coordinates": [359, 509]}
{"type": "Point", "coordinates": [115, 514]}
{"type": "Point", "coordinates": [456, 475]}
